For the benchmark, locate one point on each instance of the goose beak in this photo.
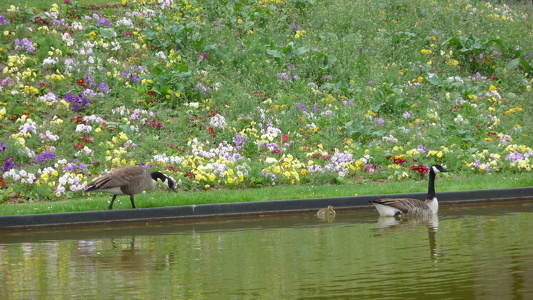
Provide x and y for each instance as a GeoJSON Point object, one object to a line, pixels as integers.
{"type": "Point", "coordinates": [174, 189]}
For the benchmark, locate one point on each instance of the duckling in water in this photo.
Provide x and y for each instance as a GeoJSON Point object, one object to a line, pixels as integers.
{"type": "Point", "coordinates": [324, 213]}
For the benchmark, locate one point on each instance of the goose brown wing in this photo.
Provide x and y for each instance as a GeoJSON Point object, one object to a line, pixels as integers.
{"type": "Point", "coordinates": [405, 205]}
{"type": "Point", "coordinates": [118, 178]}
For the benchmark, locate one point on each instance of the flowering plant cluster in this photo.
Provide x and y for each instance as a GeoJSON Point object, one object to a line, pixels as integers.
{"type": "Point", "coordinates": [219, 97]}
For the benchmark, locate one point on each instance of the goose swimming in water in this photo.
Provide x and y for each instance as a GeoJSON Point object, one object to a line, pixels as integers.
{"type": "Point", "coordinates": [326, 212]}
{"type": "Point", "coordinates": [128, 180]}
{"type": "Point", "coordinates": [412, 207]}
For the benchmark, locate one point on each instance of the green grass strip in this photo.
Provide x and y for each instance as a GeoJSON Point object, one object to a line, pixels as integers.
{"type": "Point", "coordinates": [161, 198]}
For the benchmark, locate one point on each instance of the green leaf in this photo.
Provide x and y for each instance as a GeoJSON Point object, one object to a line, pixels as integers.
{"type": "Point", "coordinates": [274, 53]}
{"type": "Point", "coordinates": [513, 64]}
{"type": "Point", "coordinates": [108, 33]}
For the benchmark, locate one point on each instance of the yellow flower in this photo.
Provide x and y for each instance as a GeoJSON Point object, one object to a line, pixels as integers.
{"type": "Point", "coordinates": [299, 33]}
{"type": "Point", "coordinates": [452, 62]}
{"type": "Point", "coordinates": [493, 88]}
{"type": "Point", "coordinates": [44, 176]}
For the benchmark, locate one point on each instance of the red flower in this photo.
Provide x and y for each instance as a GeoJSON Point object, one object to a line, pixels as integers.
{"type": "Point", "coordinates": [421, 169]}
{"type": "Point", "coordinates": [78, 120]}
{"type": "Point", "coordinates": [81, 82]}
{"type": "Point", "coordinates": [155, 124]}
{"type": "Point", "coordinates": [399, 160]}
{"type": "Point", "coordinates": [285, 139]}
{"type": "Point", "coordinates": [78, 146]}
{"type": "Point", "coordinates": [189, 174]}
{"type": "Point", "coordinates": [2, 183]}
{"type": "Point", "coordinates": [152, 93]}
{"type": "Point", "coordinates": [171, 168]}
{"type": "Point", "coordinates": [276, 150]}
{"type": "Point", "coordinates": [260, 94]}
{"type": "Point", "coordinates": [213, 112]}
{"type": "Point", "coordinates": [212, 131]}
{"type": "Point", "coordinates": [86, 140]}
{"type": "Point", "coordinates": [39, 20]}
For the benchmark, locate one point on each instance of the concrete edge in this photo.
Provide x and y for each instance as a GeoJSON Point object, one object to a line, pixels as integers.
{"type": "Point", "coordinates": [240, 209]}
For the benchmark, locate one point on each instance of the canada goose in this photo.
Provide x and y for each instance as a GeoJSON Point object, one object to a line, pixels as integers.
{"type": "Point", "coordinates": [324, 213]}
{"type": "Point", "coordinates": [412, 207]}
{"type": "Point", "coordinates": [128, 180]}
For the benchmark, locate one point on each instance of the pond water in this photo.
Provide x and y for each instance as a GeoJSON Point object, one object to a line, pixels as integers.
{"type": "Point", "coordinates": [467, 252]}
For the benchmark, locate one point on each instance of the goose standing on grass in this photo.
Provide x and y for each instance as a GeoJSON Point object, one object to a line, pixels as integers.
{"type": "Point", "coordinates": [412, 207]}
{"type": "Point", "coordinates": [128, 180]}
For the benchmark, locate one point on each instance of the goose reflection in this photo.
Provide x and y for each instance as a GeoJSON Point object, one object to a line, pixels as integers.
{"type": "Point", "coordinates": [393, 225]}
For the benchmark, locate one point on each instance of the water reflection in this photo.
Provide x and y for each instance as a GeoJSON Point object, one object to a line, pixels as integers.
{"type": "Point", "coordinates": [408, 223]}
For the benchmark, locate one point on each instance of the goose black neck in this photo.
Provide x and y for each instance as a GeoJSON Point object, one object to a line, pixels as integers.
{"type": "Point", "coordinates": [156, 175]}
{"type": "Point", "coordinates": [431, 185]}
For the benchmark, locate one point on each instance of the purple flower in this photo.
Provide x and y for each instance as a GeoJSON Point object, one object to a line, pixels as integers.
{"type": "Point", "coordinates": [295, 27]}
{"type": "Point", "coordinates": [6, 81]}
{"type": "Point", "coordinates": [147, 166]}
{"type": "Point", "coordinates": [103, 87]}
{"type": "Point", "coordinates": [44, 158]}
{"type": "Point", "coordinates": [406, 115]}
{"type": "Point", "coordinates": [75, 101]}
{"type": "Point", "coordinates": [70, 168]}
{"type": "Point", "coordinates": [240, 140]}
{"type": "Point", "coordinates": [201, 87]}
{"type": "Point", "coordinates": [102, 22]}
{"type": "Point", "coordinates": [202, 56]}
{"type": "Point", "coordinates": [301, 107]}
{"type": "Point", "coordinates": [4, 21]}
{"type": "Point", "coordinates": [288, 76]}
{"type": "Point", "coordinates": [83, 167]}
{"type": "Point", "coordinates": [421, 149]}
{"type": "Point", "coordinates": [380, 121]}
{"type": "Point", "coordinates": [3, 146]}
{"type": "Point", "coordinates": [10, 164]}
{"type": "Point", "coordinates": [24, 44]}
{"type": "Point", "coordinates": [515, 156]}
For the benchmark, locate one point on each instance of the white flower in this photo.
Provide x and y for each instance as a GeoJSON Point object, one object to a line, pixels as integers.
{"type": "Point", "coordinates": [271, 160]}
{"type": "Point", "coordinates": [83, 128]}
{"type": "Point", "coordinates": [49, 61]}
{"type": "Point", "coordinates": [218, 121]}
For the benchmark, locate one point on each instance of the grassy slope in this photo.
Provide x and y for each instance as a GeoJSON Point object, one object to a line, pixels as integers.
{"type": "Point", "coordinates": [166, 198]}
{"type": "Point", "coordinates": [152, 199]}
{"type": "Point", "coordinates": [46, 4]}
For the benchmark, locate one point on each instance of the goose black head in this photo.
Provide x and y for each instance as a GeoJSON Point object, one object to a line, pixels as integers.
{"type": "Point", "coordinates": [167, 181]}
{"type": "Point", "coordinates": [438, 168]}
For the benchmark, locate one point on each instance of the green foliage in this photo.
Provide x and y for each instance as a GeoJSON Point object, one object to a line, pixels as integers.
{"type": "Point", "coordinates": [305, 83]}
